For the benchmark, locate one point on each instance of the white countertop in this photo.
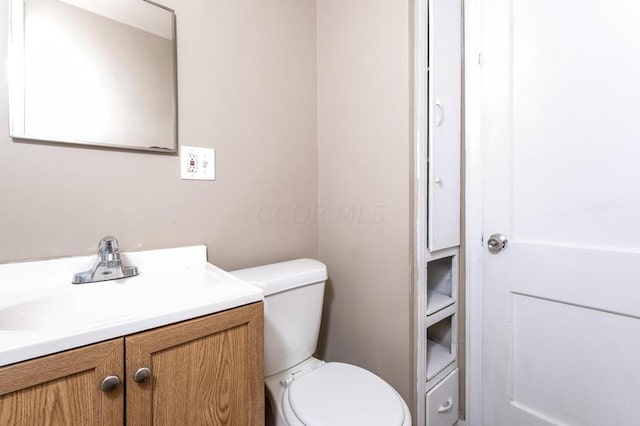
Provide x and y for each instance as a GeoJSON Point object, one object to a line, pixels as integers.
{"type": "Point", "coordinates": [41, 312]}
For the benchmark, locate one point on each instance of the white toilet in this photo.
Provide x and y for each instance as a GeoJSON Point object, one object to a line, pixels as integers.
{"type": "Point", "coordinates": [303, 390]}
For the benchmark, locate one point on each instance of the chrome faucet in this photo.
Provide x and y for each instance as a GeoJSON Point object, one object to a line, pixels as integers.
{"type": "Point", "coordinates": [108, 266]}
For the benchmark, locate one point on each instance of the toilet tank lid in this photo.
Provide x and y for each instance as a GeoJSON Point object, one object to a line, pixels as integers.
{"type": "Point", "coordinates": [277, 277]}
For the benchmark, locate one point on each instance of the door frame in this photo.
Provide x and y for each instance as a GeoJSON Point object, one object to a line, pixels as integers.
{"type": "Point", "coordinates": [474, 206]}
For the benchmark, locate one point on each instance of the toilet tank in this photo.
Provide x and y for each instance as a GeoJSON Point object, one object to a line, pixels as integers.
{"type": "Point", "coordinates": [293, 296]}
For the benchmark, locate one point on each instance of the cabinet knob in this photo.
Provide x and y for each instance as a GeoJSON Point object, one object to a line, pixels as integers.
{"type": "Point", "coordinates": [142, 375]}
{"type": "Point", "coordinates": [109, 383]}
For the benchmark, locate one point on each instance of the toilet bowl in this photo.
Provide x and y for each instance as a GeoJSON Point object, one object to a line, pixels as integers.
{"type": "Point", "coordinates": [303, 390]}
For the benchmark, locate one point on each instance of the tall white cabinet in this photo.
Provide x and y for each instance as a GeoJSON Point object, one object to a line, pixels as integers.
{"type": "Point", "coordinates": [439, 63]}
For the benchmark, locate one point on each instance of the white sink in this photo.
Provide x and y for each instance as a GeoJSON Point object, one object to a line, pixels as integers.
{"type": "Point", "coordinates": [41, 312]}
{"type": "Point", "coordinates": [74, 310]}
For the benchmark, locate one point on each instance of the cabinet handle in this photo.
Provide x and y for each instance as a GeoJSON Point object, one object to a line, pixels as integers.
{"type": "Point", "coordinates": [446, 406]}
{"type": "Point", "coordinates": [109, 383]}
{"type": "Point", "coordinates": [439, 113]}
{"type": "Point", "coordinates": [142, 375]}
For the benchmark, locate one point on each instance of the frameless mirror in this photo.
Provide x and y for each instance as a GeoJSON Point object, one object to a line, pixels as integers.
{"type": "Point", "coordinates": [96, 72]}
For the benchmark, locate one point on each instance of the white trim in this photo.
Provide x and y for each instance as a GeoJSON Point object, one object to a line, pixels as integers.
{"type": "Point", "coordinates": [421, 209]}
{"type": "Point", "coordinates": [474, 209]}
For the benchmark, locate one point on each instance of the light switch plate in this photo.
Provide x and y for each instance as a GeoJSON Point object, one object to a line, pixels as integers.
{"type": "Point", "coordinates": [197, 163]}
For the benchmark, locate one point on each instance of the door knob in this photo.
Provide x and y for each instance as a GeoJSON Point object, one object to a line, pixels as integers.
{"type": "Point", "coordinates": [141, 375]}
{"type": "Point", "coordinates": [109, 383]}
{"type": "Point", "coordinates": [497, 243]}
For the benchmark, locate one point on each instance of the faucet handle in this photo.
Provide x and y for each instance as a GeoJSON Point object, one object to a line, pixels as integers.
{"type": "Point", "coordinates": [108, 249]}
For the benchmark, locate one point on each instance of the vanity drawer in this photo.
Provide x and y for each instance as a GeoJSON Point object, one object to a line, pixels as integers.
{"type": "Point", "coordinates": [442, 402]}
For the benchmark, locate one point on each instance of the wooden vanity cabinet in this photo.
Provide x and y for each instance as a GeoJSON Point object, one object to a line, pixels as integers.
{"type": "Point", "coordinates": [64, 388]}
{"type": "Point", "coordinates": [205, 371]}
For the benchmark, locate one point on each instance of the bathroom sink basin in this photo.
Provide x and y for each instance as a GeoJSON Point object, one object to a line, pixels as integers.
{"type": "Point", "coordinates": [69, 310]}
{"type": "Point", "coordinates": [41, 312]}
{"type": "Point", "coordinates": [88, 306]}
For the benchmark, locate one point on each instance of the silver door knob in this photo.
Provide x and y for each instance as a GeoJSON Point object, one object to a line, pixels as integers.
{"type": "Point", "coordinates": [497, 243]}
{"type": "Point", "coordinates": [109, 383]}
{"type": "Point", "coordinates": [142, 375]}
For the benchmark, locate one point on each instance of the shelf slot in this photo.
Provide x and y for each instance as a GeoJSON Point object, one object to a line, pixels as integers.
{"type": "Point", "coordinates": [441, 346]}
{"type": "Point", "coordinates": [440, 284]}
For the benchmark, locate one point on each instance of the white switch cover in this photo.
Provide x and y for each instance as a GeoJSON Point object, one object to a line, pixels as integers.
{"type": "Point", "coordinates": [197, 163]}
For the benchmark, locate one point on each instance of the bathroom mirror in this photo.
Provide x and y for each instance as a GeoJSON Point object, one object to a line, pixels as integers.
{"type": "Point", "coordinates": [95, 72]}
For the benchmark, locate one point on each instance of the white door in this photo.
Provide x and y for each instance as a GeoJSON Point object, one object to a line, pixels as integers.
{"type": "Point", "coordinates": [561, 138]}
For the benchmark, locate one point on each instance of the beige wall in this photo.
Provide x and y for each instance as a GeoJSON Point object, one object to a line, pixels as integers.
{"type": "Point", "coordinates": [247, 87]}
{"type": "Point", "coordinates": [364, 154]}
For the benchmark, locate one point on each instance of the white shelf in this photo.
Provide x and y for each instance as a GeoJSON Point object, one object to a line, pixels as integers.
{"type": "Point", "coordinates": [442, 281]}
{"type": "Point", "coordinates": [437, 301]}
{"type": "Point", "coordinates": [438, 358]}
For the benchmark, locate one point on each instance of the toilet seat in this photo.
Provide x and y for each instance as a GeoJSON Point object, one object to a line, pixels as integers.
{"type": "Point", "coordinates": [337, 394]}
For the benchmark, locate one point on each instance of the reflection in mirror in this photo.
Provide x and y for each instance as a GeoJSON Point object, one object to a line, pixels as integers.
{"type": "Point", "coordinates": [97, 72]}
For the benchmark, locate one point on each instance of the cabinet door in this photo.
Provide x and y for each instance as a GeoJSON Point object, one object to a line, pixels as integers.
{"type": "Point", "coordinates": [206, 371]}
{"type": "Point", "coordinates": [64, 389]}
{"type": "Point", "coordinates": [442, 402]}
{"type": "Point", "coordinates": [445, 100]}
